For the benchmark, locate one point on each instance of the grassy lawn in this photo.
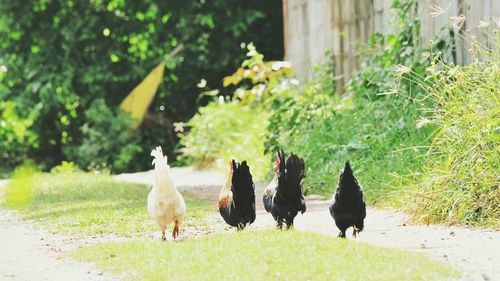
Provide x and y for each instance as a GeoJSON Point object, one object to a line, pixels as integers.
{"type": "Point", "coordinates": [261, 255]}
{"type": "Point", "coordinates": [84, 203]}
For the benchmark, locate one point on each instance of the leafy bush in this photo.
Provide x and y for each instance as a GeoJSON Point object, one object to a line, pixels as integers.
{"type": "Point", "coordinates": [257, 80]}
{"type": "Point", "coordinates": [16, 138]}
{"type": "Point", "coordinates": [225, 130]}
{"type": "Point", "coordinates": [108, 142]}
{"type": "Point", "coordinates": [375, 136]}
{"type": "Point", "coordinates": [64, 168]}
{"type": "Point", "coordinates": [235, 126]}
{"type": "Point", "coordinates": [461, 182]}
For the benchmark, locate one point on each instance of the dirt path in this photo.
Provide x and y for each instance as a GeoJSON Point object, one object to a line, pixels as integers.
{"type": "Point", "coordinates": [26, 254]}
{"type": "Point", "coordinates": [476, 251]}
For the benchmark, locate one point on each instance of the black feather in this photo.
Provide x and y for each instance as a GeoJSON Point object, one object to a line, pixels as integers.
{"type": "Point", "coordinates": [283, 197]}
{"type": "Point", "coordinates": [347, 206]}
{"type": "Point", "coordinates": [241, 210]}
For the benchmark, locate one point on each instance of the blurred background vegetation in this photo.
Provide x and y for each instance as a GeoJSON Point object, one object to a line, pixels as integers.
{"type": "Point", "coordinates": [67, 65]}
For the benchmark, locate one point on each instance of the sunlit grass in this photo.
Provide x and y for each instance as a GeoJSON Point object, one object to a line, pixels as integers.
{"type": "Point", "coordinates": [262, 255]}
{"type": "Point", "coordinates": [83, 203]}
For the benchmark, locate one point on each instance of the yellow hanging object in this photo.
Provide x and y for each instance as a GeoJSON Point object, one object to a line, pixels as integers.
{"type": "Point", "coordinates": [138, 101]}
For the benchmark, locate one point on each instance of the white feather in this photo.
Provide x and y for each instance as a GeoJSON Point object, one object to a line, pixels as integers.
{"type": "Point", "coordinates": [165, 203]}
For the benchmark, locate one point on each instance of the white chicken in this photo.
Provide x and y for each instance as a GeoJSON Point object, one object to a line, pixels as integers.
{"type": "Point", "coordinates": [165, 203]}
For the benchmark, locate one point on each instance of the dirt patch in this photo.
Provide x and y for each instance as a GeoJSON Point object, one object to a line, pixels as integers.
{"type": "Point", "coordinates": [29, 254]}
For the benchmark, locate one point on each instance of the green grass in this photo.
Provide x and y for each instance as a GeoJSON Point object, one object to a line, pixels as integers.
{"type": "Point", "coordinates": [84, 203]}
{"type": "Point", "coordinates": [89, 204]}
{"type": "Point", "coordinates": [378, 137]}
{"type": "Point", "coordinates": [262, 255]}
{"type": "Point", "coordinates": [461, 183]}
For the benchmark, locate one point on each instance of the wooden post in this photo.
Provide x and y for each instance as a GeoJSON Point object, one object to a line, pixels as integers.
{"type": "Point", "coordinates": [285, 25]}
{"type": "Point", "coordinates": [338, 45]}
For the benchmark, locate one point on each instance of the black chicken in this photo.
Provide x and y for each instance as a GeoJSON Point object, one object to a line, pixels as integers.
{"type": "Point", "coordinates": [347, 206]}
{"type": "Point", "coordinates": [237, 197]}
{"type": "Point", "coordinates": [283, 196]}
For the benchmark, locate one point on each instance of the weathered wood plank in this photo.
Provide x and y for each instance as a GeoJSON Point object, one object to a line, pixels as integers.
{"type": "Point", "coordinates": [317, 26]}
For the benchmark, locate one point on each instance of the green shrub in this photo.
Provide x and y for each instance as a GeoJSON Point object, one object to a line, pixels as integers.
{"type": "Point", "coordinates": [462, 183]}
{"type": "Point", "coordinates": [225, 130]}
{"type": "Point", "coordinates": [64, 168]}
{"type": "Point", "coordinates": [236, 127]}
{"type": "Point", "coordinates": [16, 138]}
{"type": "Point", "coordinates": [378, 137]}
{"type": "Point", "coordinates": [373, 125]}
{"type": "Point", "coordinates": [108, 142]}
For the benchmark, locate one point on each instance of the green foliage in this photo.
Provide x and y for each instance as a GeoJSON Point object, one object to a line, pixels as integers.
{"type": "Point", "coordinates": [376, 132]}
{"type": "Point", "coordinates": [90, 204]}
{"type": "Point", "coordinates": [65, 167]}
{"type": "Point", "coordinates": [236, 127]}
{"type": "Point", "coordinates": [256, 79]}
{"type": "Point", "coordinates": [259, 255]}
{"type": "Point", "coordinates": [108, 142]}
{"type": "Point", "coordinates": [461, 182]}
{"type": "Point", "coordinates": [372, 125]}
{"type": "Point", "coordinates": [59, 56]}
{"type": "Point", "coordinates": [222, 131]}
{"type": "Point", "coordinates": [383, 53]}
{"type": "Point", "coordinates": [16, 138]}
{"type": "Point", "coordinates": [378, 137]}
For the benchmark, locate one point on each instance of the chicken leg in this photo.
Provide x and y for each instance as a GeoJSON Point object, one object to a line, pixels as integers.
{"type": "Point", "coordinates": [163, 235]}
{"type": "Point", "coordinates": [175, 232]}
{"type": "Point", "coordinates": [279, 223]}
{"type": "Point", "coordinates": [289, 223]}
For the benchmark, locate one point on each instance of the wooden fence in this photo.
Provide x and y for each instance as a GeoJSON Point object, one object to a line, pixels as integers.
{"type": "Point", "coordinates": [314, 28]}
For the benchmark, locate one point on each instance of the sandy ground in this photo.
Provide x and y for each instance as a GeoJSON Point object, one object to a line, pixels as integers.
{"type": "Point", "coordinates": [26, 254]}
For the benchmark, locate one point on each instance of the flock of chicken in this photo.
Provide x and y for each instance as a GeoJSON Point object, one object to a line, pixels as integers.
{"type": "Point", "coordinates": [283, 197]}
